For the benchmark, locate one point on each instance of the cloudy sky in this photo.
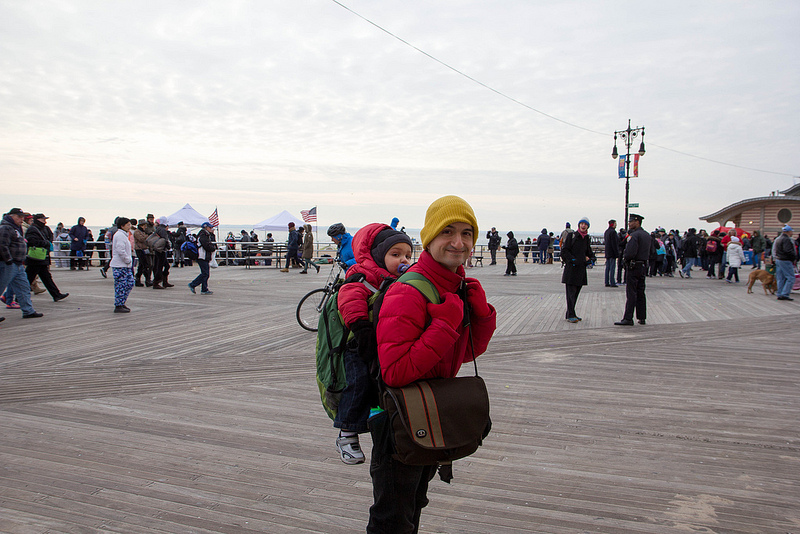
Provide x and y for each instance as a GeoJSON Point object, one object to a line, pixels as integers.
{"type": "Point", "coordinates": [125, 107]}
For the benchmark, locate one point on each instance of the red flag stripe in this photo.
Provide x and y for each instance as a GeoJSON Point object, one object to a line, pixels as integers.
{"type": "Point", "coordinates": [214, 218]}
{"type": "Point", "coordinates": [309, 215]}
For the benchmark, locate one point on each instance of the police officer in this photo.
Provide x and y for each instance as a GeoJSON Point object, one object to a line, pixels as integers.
{"type": "Point", "coordinates": [637, 252]}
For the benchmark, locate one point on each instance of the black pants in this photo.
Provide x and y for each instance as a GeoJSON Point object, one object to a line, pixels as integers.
{"type": "Point", "coordinates": [75, 260]}
{"type": "Point", "coordinates": [572, 299]}
{"type": "Point", "coordinates": [160, 267]}
{"type": "Point", "coordinates": [511, 268]}
{"type": "Point", "coordinates": [493, 252]}
{"type": "Point", "coordinates": [711, 263]}
{"type": "Point", "coordinates": [400, 491]}
{"type": "Point", "coordinates": [634, 293]}
{"type": "Point", "coordinates": [144, 267]}
{"type": "Point", "coordinates": [43, 272]}
{"type": "Point", "coordinates": [654, 266]}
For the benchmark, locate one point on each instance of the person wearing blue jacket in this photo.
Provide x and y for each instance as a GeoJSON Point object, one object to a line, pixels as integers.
{"type": "Point", "coordinates": [344, 243]}
{"type": "Point", "coordinates": [292, 246]}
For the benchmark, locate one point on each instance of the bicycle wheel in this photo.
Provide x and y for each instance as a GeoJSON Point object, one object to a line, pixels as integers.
{"type": "Point", "coordinates": [310, 307]}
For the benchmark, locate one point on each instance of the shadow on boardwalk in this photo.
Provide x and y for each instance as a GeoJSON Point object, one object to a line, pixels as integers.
{"type": "Point", "coordinates": [200, 414]}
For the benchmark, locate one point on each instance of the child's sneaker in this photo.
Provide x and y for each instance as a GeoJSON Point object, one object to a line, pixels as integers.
{"type": "Point", "coordinates": [350, 450]}
{"type": "Point", "coordinates": [13, 305]}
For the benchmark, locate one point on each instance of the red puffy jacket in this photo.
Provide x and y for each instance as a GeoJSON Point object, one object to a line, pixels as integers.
{"type": "Point", "coordinates": [412, 345]}
{"type": "Point", "coordinates": [352, 299]}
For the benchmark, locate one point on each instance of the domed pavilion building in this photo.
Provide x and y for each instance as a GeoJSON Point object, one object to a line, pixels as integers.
{"type": "Point", "coordinates": [768, 214]}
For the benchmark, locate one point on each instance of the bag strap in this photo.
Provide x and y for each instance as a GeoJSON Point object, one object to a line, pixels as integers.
{"type": "Point", "coordinates": [468, 323]}
{"type": "Point", "coordinates": [422, 284]}
{"type": "Point", "coordinates": [429, 291]}
{"type": "Point", "coordinates": [41, 234]}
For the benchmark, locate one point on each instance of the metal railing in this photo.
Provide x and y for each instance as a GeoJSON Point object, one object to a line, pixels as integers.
{"type": "Point", "coordinates": [270, 254]}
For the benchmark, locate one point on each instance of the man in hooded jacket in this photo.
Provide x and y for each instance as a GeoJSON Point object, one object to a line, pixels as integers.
{"type": "Point", "coordinates": [512, 251]}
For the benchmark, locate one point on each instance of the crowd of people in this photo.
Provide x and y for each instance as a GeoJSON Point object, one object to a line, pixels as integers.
{"type": "Point", "coordinates": [139, 252]}
{"type": "Point", "coordinates": [661, 253]}
{"type": "Point", "coordinates": [673, 252]}
{"type": "Point", "coordinates": [717, 254]}
{"type": "Point", "coordinates": [28, 247]}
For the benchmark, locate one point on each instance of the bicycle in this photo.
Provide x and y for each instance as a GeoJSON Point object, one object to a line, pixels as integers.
{"type": "Point", "coordinates": [313, 302]}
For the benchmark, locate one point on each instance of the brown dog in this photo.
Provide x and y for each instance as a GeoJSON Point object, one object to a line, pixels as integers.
{"type": "Point", "coordinates": [767, 281]}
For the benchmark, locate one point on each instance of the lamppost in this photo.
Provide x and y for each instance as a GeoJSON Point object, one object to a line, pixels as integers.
{"type": "Point", "coordinates": [628, 136]}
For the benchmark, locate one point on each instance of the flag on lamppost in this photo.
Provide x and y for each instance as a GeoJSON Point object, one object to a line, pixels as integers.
{"type": "Point", "coordinates": [622, 166]}
{"type": "Point", "coordinates": [636, 165]}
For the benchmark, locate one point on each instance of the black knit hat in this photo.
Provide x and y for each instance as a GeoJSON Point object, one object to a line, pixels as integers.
{"type": "Point", "coordinates": [385, 240]}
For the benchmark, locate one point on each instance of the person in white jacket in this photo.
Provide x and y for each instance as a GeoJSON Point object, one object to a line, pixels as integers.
{"type": "Point", "coordinates": [735, 259]}
{"type": "Point", "coordinates": [122, 265]}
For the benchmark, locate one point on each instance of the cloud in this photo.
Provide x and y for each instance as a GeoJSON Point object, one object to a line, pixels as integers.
{"type": "Point", "coordinates": [261, 106]}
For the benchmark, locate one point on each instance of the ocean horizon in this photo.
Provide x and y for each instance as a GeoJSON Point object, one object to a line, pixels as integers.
{"type": "Point", "coordinates": [321, 237]}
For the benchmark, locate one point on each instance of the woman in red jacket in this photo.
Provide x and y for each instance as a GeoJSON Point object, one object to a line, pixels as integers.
{"type": "Point", "coordinates": [418, 339]}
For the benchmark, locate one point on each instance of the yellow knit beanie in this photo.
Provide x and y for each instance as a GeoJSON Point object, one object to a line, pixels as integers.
{"type": "Point", "coordinates": [445, 211]}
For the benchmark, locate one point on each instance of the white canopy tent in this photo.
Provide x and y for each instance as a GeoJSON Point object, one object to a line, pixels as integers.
{"type": "Point", "coordinates": [280, 222]}
{"type": "Point", "coordinates": [188, 215]}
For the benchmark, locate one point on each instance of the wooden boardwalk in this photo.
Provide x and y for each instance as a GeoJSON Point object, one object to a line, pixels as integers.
{"type": "Point", "coordinates": [200, 414]}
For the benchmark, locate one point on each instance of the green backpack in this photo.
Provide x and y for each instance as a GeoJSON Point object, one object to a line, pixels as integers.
{"type": "Point", "coordinates": [333, 335]}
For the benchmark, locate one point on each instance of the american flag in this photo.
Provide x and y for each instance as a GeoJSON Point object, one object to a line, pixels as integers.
{"type": "Point", "coordinates": [214, 218]}
{"type": "Point", "coordinates": [309, 215]}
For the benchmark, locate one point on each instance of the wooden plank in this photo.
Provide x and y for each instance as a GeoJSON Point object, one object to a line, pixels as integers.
{"type": "Point", "coordinates": [201, 413]}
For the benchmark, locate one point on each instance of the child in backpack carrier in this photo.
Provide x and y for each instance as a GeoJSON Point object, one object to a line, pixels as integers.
{"type": "Point", "coordinates": [380, 253]}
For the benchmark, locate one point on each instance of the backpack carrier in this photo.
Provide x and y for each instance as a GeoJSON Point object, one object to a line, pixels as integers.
{"type": "Point", "coordinates": [333, 335]}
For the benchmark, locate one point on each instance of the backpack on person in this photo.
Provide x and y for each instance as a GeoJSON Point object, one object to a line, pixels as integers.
{"type": "Point", "coordinates": [156, 243]}
{"type": "Point", "coordinates": [333, 335]}
{"type": "Point", "coordinates": [190, 248]}
{"type": "Point", "coordinates": [711, 245]}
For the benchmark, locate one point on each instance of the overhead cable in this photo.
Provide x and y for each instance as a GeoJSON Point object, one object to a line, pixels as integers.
{"type": "Point", "coordinates": [531, 108]}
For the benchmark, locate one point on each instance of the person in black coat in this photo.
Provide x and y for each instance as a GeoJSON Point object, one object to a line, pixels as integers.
{"type": "Point", "coordinates": [690, 246]}
{"type": "Point", "coordinates": [576, 254]}
{"type": "Point", "coordinates": [39, 235]}
{"type": "Point", "coordinates": [611, 242]}
{"type": "Point", "coordinates": [637, 253]}
{"type": "Point", "coordinates": [512, 251]}
{"type": "Point", "coordinates": [494, 243]}
{"type": "Point", "coordinates": [78, 235]}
